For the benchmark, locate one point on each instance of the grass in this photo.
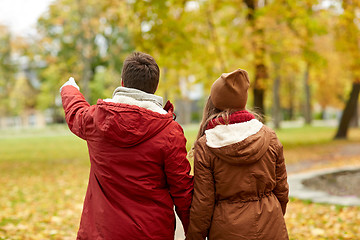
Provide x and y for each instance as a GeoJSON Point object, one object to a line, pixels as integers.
{"type": "Point", "coordinates": [43, 177]}
{"type": "Point", "coordinates": [57, 143]}
{"type": "Point", "coordinates": [44, 174]}
{"type": "Point", "coordinates": [42, 148]}
{"type": "Point", "coordinates": [190, 132]}
{"type": "Point", "coordinates": [293, 137]}
{"type": "Point", "coordinates": [309, 135]}
{"type": "Point", "coordinates": [305, 136]}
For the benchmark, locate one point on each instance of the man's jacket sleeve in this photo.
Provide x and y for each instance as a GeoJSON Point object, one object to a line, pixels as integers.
{"type": "Point", "coordinates": [77, 110]}
{"type": "Point", "coordinates": [177, 169]}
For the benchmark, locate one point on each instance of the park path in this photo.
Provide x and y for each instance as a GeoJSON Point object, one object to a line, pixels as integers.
{"type": "Point", "coordinates": [346, 151]}
{"type": "Point", "coordinates": [350, 150]}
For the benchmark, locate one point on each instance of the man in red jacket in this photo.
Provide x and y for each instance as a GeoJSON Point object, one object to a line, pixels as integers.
{"type": "Point", "coordinates": [139, 169]}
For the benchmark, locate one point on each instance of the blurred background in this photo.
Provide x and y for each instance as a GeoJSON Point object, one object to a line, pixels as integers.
{"type": "Point", "coordinates": [303, 58]}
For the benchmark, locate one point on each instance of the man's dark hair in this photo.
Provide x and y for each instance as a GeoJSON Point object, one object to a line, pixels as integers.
{"type": "Point", "coordinates": [140, 71]}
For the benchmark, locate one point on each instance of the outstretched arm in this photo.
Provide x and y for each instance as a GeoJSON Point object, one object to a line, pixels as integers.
{"type": "Point", "coordinates": [75, 106]}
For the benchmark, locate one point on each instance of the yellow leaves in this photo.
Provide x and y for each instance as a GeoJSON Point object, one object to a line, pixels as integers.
{"type": "Point", "coordinates": [41, 195]}
{"type": "Point", "coordinates": [19, 43]}
{"type": "Point", "coordinates": [315, 221]}
{"type": "Point", "coordinates": [310, 221]}
{"type": "Point", "coordinates": [41, 199]}
{"type": "Point", "coordinates": [4, 30]}
{"type": "Point", "coordinates": [35, 207]}
{"type": "Point", "coordinates": [317, 232]}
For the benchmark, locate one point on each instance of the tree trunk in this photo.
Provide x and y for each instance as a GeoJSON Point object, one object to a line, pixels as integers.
{"type": "Point", "coordinates": [166, 93]}
{"type": "Point", "coordinates": [259, 91]}
{"type": "Point", "coordinates": [348, 111]}
{"type": "Point", "coordinates": [183, 111]}
{"type": "Point", "coordinates": [261, 74]}
{"type": "Point", "coordinates": [276, 104]}
{"type": "Point", "coordinates": [291, 99]}
{"type": "Point", "coordinates": [355, 119]}
{"type": "Point", "coordinates": [307, 101]}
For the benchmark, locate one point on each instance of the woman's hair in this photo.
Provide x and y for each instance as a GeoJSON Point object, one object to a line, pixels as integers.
{"type": "Point", "coordinates": [211, 112]}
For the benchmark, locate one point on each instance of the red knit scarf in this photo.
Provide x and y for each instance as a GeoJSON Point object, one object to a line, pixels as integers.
{"type": "Point", "coordinates": [236, 117]}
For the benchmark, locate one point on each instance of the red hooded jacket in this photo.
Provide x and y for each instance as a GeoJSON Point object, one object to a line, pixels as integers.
{"type": "Point", "coordinates": [139, 169]}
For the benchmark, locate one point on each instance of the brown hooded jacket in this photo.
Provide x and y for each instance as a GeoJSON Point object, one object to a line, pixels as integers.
{"type": "Point", "coordinates": [241, 188]}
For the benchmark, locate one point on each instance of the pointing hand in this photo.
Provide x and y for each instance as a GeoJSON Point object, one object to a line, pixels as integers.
{"type": "Point", "coordinates": [70, 82]}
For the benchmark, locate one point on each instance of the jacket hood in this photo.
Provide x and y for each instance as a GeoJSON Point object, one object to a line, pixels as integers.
{"type": "Point", "coordinates": [239, 143]}
{"type": "Point", "coordinates": [128, 122]}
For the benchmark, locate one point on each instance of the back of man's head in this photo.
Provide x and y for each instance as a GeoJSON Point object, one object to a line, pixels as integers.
{"type": "Point", "coordinates": [141, 72]}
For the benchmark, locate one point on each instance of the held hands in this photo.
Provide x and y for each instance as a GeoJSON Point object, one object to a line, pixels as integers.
{"type": "Point", "coordinates": [70, 82]}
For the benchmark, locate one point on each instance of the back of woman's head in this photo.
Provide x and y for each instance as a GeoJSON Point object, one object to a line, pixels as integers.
{"type": "Point", "coordinates": [230, 90]}
{"type": "Point", "coordinates": [228, 94]}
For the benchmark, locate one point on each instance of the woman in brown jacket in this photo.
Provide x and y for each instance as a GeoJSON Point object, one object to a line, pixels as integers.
{"type": "Point", "coordinates": [241, 188]}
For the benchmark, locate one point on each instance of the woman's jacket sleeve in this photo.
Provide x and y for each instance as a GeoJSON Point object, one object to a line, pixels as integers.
{"type": "Point", "coordinates": [203, 202]}
{"type": "Point", "coordinates": [281, 189]}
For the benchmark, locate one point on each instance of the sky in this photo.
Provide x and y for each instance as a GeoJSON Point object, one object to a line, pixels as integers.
{"type": "Point", "coordinates": [21, 15]}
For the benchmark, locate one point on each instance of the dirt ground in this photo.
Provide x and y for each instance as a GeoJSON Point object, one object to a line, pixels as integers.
{"type": "Point", "coordinates": [327, 156]}
{"type": "Point", "coordinates": [344, 183]}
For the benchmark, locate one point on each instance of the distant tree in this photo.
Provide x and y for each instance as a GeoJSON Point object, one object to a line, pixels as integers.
{"type": "Point", "coordinates": [348, 36]}
{"type": "Point", "coordinates": [259, 51]}
{"type": "Point", "coordinates": [22, 96]}
{"type": "Point", "coordinates": [165, 29]}
{"type": "Point", "coordinates": [306, 21]}
{"type": "Point", "coordinates": [281, 51]}
{"type": "Point", "coordinates": [329, 73]}
{"type": "Point", "coordinates": [84, 39]}
{"type": "Point", "coordinates": [7, 69]}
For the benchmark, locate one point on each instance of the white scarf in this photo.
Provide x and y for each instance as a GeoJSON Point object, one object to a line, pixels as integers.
{"type": "Point", "coordinates": [139, 98]}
